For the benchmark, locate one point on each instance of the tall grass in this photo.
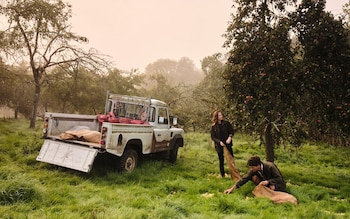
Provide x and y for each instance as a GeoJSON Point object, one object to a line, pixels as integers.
{"type": "Point", "coordinates": [318, 175]}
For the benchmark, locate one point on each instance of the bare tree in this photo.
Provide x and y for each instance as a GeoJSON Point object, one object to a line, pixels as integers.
{"type": "Point", "coordinates": [38, 32]}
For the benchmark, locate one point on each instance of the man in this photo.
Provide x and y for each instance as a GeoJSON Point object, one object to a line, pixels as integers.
{"type": "Point", "coordinates": [263, 173]}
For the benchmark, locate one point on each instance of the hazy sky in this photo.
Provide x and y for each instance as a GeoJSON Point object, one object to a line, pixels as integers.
{"type": "Point", "coordinates": [136, 33]}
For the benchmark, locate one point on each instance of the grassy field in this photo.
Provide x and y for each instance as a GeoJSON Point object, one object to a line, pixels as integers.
{"type": "Point", "coordinates": [317, 175]}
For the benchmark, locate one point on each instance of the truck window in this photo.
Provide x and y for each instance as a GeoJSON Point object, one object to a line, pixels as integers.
{"type": "Point", "coordinates": [152, 114]}
{"type": "Point", "coordinates": [143, 111]}
{"type": "Point", "coordinates": [162, 116]}
{"type": "Point", "coordinates": [119, 109]}
{"type": "Point", "coordinates": [129, 110]}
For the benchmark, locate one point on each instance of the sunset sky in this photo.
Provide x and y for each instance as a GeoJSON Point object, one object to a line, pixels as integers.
{"type": "Point", "coordinates": [136, 33]}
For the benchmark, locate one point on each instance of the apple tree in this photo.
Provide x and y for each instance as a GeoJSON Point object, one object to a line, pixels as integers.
{"type": "Point", "coordinates": [323, 72]}
{"type": "Point", "coordinates": [260, 76]}
{"type": "Point", "coordinates": [38, 32]}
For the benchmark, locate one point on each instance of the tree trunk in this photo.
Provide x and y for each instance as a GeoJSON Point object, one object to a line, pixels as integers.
{"type": "Point", "coordinates": [269, 145]}
{"type": "Point", "coordinates": [35, 105]}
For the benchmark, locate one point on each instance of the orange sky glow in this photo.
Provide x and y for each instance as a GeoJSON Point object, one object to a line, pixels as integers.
{"type": "Point", "coordinates": [136, 33]}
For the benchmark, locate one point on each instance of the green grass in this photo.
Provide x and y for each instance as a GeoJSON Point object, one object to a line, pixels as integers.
{"type": "Point", "coordinates": [318, 175]}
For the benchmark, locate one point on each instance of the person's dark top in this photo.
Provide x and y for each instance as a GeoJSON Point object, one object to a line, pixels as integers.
{"type": "Point", "coordinates": [220, 132]}
{"type": "Point", "coordinates": [269, 172]}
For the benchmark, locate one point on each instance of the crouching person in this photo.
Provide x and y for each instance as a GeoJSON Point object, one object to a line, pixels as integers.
{"type": "Point", "coordinates": [263, 173]}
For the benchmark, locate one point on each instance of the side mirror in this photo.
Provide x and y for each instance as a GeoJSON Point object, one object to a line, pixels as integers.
{"type": "Point", "coordinates": [174, 121]}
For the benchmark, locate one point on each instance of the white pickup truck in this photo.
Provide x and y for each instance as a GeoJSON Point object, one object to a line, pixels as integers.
{"type": "Point", "coordinates": [130, 127]}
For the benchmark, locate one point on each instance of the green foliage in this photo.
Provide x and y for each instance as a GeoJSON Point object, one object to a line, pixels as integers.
{"type": "Point", "coordinates": [191, 188]}
{"type": "Point", "coordinates": [208, 95]}
{"type": "Point", "coordinates": [39, 32]}
{"type": "Point", "coordinates": [69, 90]}
{"type": "Point", "coordinates": [16, 89]}
{"type": "Point", "coordinates": [323, 75]}
{"type": "Point", "coordinates": [261, 83]}
{"type": "Point", "coordinates": [172, 82]}
{"type": "Point", "coordinates": [288, 92]}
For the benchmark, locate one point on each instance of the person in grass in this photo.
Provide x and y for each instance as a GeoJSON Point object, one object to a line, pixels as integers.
{"type": "Point", "coordinates": [263, 173]}
{"type": "Point", "coordinates": [221, 133]}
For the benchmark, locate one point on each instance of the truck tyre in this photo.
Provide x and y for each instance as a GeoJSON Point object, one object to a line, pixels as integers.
{"type": "Point", "coordinates": [173, 153]}
{"type": "Point", "coordinates": [128, 161]}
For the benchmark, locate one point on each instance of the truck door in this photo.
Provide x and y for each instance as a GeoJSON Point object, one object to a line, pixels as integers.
{"type": "Point", "coordinates": [161, 131]}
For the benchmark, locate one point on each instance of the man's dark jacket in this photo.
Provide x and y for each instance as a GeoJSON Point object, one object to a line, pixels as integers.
{"type": "Point", "coordinates": [269, 172]}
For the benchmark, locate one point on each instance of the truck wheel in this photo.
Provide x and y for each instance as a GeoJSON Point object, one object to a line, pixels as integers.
{"type": "Point", "coordinates": [128, 160]}
{"type": "Point", "coordinates": [173, 153]}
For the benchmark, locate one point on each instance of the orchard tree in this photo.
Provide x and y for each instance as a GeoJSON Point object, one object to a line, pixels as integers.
{"type": "Point", "coordinates": [38, 32]}
{"type": "Point", "coordinates": [259, 77]}
{"type": "Point", "coordinates": [346, 15]}
{"type": "Point", "coordinates": [21, 87]}
{"type": "Point", "coordinates": [73, 91]}
{"type": "Point", "coordinates": [324, 76]}
{"type": "Point", "coordinates": [121, 82]}
{"type": "Point", "coordinates": [16, 87]}
{"type": "Point", "coordinates": [162, 88]}
{"type": "Point", "coordinates": [211, 89]}
{"type": "Point", "coordinates": [209, 94]}
{"type": "Point", "coordinates": [5, 82]}
{"type": "Point", "coordinates": [159, 86]}
{"type": "Point", "coordinates": [173, 82]}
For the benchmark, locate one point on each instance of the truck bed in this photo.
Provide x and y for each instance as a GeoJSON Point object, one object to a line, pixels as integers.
{"type": "Point", "coordinates": [84, 143]}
